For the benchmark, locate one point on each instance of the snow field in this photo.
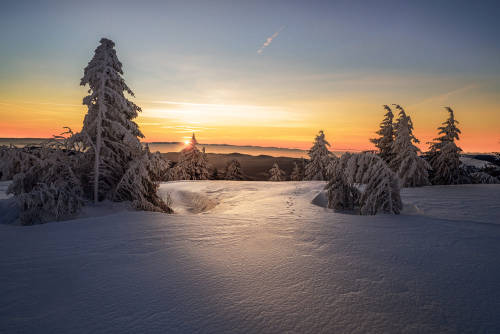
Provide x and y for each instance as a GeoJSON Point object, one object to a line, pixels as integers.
{"type": "Point", "coordinates": [264, 259]}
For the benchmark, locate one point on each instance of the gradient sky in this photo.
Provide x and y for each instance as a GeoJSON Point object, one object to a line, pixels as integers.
{"type": "Point", "coordinates": [268, 73]}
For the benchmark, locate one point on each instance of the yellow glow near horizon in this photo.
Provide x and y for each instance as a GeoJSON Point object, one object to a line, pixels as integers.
{"type": "Point", "coordinates": [348, 120]}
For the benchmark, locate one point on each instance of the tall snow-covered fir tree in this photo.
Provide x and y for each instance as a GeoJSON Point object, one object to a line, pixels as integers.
{"type": "Point", "coordinates": [276, 174]}
{"type": "Point", "coordinates": [405, 160]}
{"type": "Point", "coordinates": [386, 136]}
{"type": "Point", "coordinates": [108, 129]}
{"type": "Point", "coordinates": [233, 171]}
{"type": "Point", "coordinates": [319, 158]}
{"type": "Point", "coordinates": [117, 157]}
{"type": "Point", "coordinates": [444, 154]}
{"type": "Point", "coordinates": [193, 163]}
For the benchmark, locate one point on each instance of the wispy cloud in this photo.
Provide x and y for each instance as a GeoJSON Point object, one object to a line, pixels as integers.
{"type": "Point", "coordinates": [269, 40]}
{"type": "Point", "coordinates": [442, 98]}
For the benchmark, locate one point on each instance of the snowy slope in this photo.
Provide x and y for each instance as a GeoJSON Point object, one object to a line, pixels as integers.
{"type": "Point", "coordinates": [258, 257]}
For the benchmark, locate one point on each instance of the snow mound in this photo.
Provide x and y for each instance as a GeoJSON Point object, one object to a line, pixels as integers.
{"type": "Point", "coordinates": [187, 201]}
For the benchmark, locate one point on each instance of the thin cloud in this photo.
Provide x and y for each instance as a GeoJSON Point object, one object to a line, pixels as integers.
{"type": "Point", "coordinates": [269, 40]}
{"type": "Point", "coordinates": [442, 98]}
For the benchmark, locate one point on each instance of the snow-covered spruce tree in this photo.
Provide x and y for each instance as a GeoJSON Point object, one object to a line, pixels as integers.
{"type": "Point", "coordinates": [342, 194]}
{"type": "Point", "coordinates": [193, 163]}
{"type": "Point", "coordinates": [233, 171]}
{"type": "Point", "coordinates": [112, 137]}
{"type": "Point", "coordinates": [276, 174]}
{"type": "Point", "coordinates": [108, 129]}
{"type": "Point", "coordinates": [405, 161]}
{"type": "Point", "coordinates": [296, 173]}
{"type": "Point", "coordinates": [444, 154]}
{"type": "Point", "coordinates": [386, 136]}
{"type": "Point", "coordinates": [319, 158]}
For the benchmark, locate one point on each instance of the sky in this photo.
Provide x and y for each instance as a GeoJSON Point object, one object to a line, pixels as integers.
{"type": "Point", "coordinates": [268, 73]}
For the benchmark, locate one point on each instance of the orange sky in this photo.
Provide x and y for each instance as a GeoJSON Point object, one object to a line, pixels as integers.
{"type": "Point", "coordinates": [348, 119]}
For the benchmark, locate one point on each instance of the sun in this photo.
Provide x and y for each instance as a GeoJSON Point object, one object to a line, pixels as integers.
{"type": "Point", "coordinates": [186, 142]}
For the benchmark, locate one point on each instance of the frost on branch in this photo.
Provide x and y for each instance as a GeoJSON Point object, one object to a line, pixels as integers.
{"type": "Point", "coordinates": [276, 174]}
{"type": "Point", "coordinates": [233, 171]}
{"type": "Point", "coordinates": [319, 158]}
{"type": "Point", "coordinates": [405, 160]}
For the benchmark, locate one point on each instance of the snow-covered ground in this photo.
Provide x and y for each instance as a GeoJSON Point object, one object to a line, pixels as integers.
{"type": "Point", "coordinates": [259, 257]}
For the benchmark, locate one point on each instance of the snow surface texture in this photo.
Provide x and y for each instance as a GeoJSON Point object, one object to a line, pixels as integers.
{"type": "Point", "coordinates": [259, 257]}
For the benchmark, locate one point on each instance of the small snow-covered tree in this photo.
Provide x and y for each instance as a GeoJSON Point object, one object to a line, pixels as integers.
{"type": "Point", "coordinates": [381, 191]}
{"type": "Point", "coordinates": [296, 173]}
{"type": "Point", "coordinates": [341, 194]}
{"type": "Point", "coordinates": [386, 136]}
{"type": "Point", "coordinates": [108, 129]}
{"type": "Point", "coordinates": [14, 160]}
{"type": "Point", "coordinates": [193, 163]}
{"type": "Point", "coordinates": [405, 160]}
{"type": "Point", "coordinates": [444, 154]}
{"type": "Point", "coordinates": [139, 184]}
{"type": "Point", "coordinates": [319, 158]}
{"type": "Point", "coordinates": [233, 171]}
{"type": "Point", "coordinates": [49, 189]}
{"type": "Point", "coordinates": [276, 174]}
